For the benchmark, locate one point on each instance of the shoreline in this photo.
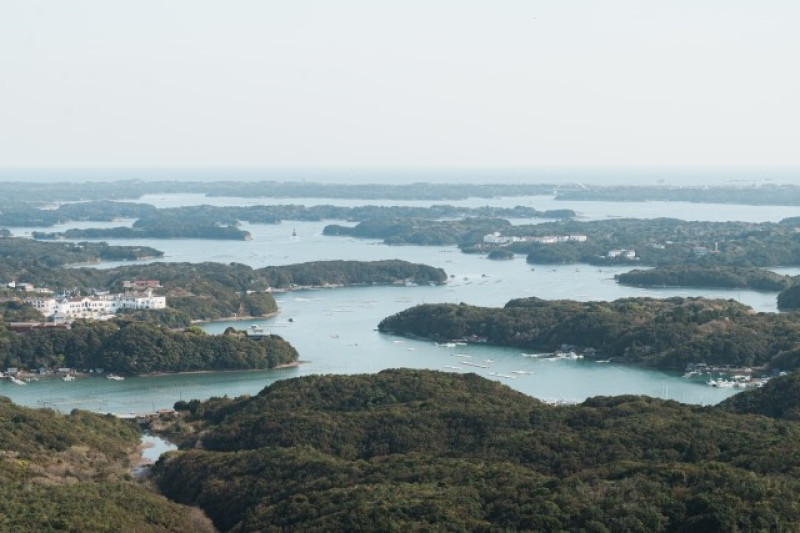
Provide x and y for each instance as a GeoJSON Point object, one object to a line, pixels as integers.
{"type": "Point", "coordinates": [30, 377]}
{"type": "Point", "coordinates": [236, 318]}
{"type": "Point", "coordinates": [282, 366]}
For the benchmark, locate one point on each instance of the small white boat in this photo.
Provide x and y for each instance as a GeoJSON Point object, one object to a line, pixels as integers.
{"type": "Point", "coordinates": [114, 377]}
{"type": "Point", "coordinates": [68, 377]}
{"type": "Point", "coordinates": [16, 381]}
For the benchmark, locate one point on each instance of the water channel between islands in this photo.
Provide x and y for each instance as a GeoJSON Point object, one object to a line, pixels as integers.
{"type": "Point", "coordinates": [334, 329]}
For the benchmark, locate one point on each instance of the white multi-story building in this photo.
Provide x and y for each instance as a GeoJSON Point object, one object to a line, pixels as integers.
{"type": "Point", "coordinates": [95, 307]}
{"type": "Point", "coordinates": [497, 238]}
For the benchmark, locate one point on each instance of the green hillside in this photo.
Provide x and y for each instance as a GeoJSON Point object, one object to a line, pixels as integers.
{"type": "Point", "coordinates": [70, 473]}
{"type": "Point", "coordinates": [409, 450]}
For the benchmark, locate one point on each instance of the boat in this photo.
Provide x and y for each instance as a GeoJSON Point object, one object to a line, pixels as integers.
{"type": "Point", "coordinates": [568, 355]}
{"type": "Point", "coordinates": [16, 381]}
{"type": "Point", "coordinates": [68, 377]}
{"type": "Point", "coordinates": [115, 377]}
{"type": "Point", "coordinates": [506, 376]}
{"type": "Point", "coordinates": [720, 383]}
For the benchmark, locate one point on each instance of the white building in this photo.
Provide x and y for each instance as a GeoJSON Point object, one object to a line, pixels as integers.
{"type": "Point", "coordinates": [626, 254]}
{"type": "Point", "coordinates": [497, 238]}
{"type": "Point", "coordinates": [95, 307]}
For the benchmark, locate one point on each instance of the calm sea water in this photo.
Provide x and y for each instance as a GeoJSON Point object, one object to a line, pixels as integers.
{"type": "Point", "coordinates": [334, 329]}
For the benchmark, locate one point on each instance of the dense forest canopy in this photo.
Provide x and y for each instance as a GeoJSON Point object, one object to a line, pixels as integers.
{"type": "Point", "coordinates": [128, 346]}
{"type": "Point", "coordinates": [668, 334]}
{"type": "Point", "coordinates": [729, 277]}
{"type": "Point", "coordinates": [419, 450]}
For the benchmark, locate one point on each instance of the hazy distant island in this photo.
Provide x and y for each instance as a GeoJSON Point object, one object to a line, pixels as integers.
{"type": "Point", "coordinates": [671, 334]}
{"type": "Point", "coordinates": [213, 222]}
{"type": "Point", "coordinates": [652, 242]}
{"type": "Point", "coordinates": [152, 231]}
{"type": "Point", "coordinates": [761, 193]}
{"type": "Point", "coordinates": [412, 449]}
{"type": "Point", "coordinates": [19, 255]}
{"type": "Point", "coordinates": [420, 231]}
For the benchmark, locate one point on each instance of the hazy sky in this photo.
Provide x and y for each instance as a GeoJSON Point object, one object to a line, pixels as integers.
{"type": "Point", "coordinates": [435, 82]}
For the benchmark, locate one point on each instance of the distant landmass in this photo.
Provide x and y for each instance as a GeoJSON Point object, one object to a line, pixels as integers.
{"type": "Point", "coordinates": [570, 186]}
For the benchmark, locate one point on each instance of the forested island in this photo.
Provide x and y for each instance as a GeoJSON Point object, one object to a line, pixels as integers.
{"type": "Point", "coordinates": [160, 229]}
{"type": "Point", "coordinates": [221, 222]}
{"type": "Point", "coordinates": [728, 277]}
{"type": "Point", "coordinates": [418, 450]}
{"type": "Point", "coordinates": [19, 256]}
{"type": "Point", "coordinates": [669, 334]}
{"type": "Point", "coordinates": [350, 273]}
{"type": "Point", "coordinates": [421, 231]}
{"type": "Point", "coordinates": [135, 347]}
{"type": "Point", "coordinates": [210, 291]}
